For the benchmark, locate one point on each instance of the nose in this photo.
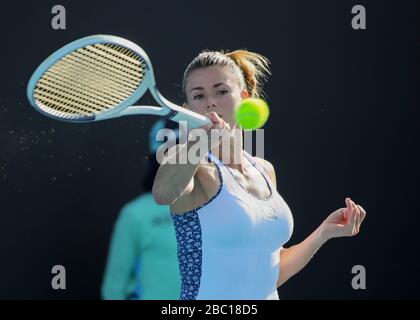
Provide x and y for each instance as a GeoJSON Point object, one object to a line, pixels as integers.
{"type": "Point", "coordinates": [210, 103]}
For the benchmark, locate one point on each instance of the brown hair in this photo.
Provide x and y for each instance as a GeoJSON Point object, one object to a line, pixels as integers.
{"type": "Point", "coordinates": [250, 68]}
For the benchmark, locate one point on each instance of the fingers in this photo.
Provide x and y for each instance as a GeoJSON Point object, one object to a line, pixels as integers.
{"type": "Point", "coordinates": [352, 214]}
{"type": "Point", "coordinates": [344, 213]}
{"type": "Point", "coordinates": [358, 217]}
{"type": "Point", "coordinates": [216, 123]}
{"type": "Point", "coordinates": [206, 127]}
{"type": "Point", "coordinates": [214, 117]}
{"type": "Point", "coordinates": [353, 218]}
{"type": "Point", "coordinates": [350, 211]}
{"type": "Point", "coordinates": [348, 203]}
{"type": "Point", "coordinates": [362, 213]}
{"type": "Point", "coordinates": [357, 214]}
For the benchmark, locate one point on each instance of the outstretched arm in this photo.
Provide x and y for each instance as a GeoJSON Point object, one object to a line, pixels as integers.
{"type": "Point", "coordinates": [344, 222]}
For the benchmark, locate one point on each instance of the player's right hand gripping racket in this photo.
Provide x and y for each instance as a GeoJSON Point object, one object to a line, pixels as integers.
{"type": "Point", "coordinates": [100, 77]}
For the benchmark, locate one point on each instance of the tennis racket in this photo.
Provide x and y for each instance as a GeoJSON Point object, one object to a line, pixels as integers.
{"type": "Point", "coordinates": [97, 78]}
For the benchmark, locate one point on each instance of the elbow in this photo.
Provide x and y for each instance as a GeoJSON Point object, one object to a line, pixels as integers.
{"type": "Point", "coordinates": [280, 282]}
{"type": "Point", "coordinates": [161, 200]}
{"type": "Point", "coordinates": [160, 196]}
{"type": "Point", "coordinates": [282, 279]}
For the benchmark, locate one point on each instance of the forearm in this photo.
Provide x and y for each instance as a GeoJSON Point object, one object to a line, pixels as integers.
{"type": "Point", "coordinates": [173, 177]}
{"type": "Point", "coordinates": [295, 258]}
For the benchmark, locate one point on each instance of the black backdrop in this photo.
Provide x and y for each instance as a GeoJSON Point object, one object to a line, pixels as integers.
{"type": "Point", "coordinates": [344, 122]}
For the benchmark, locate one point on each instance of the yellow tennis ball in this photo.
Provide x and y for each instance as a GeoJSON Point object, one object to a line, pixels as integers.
{"type": "Point", "coordinates": [252, 113]}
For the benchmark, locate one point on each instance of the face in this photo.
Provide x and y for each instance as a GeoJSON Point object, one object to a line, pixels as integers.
{"type": "Point", "coordinates": [214, 89]}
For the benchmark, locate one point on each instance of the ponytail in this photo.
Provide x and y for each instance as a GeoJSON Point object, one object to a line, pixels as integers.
{"type": "Point", "coordinates": [254, 69]}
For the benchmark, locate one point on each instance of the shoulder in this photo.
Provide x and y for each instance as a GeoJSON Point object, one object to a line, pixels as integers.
{"type": "Point", "coordinates": [268, 167]}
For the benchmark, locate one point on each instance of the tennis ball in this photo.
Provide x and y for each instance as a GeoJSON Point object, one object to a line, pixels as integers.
{"type": "Point", "coordinates": [252, 113]}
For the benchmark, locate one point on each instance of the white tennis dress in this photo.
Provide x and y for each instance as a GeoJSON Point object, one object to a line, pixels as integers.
{"type": "Point", "coordinates": [228, 249]}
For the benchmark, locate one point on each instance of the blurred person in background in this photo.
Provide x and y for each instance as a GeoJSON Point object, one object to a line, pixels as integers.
{"type": "Point", "coordinates": [142, 260]}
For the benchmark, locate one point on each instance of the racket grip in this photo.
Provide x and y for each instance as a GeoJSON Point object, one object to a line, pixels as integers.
{"type": "Point", "coordinates": [194, 120]}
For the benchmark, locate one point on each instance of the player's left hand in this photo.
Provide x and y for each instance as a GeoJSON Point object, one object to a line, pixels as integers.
{"type": "Point", "coordinates": [344, 222]}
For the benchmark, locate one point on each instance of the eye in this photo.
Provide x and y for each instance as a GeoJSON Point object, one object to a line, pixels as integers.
{"type": "Point", "coordinates": [198, 97]}
{"type": "Point", "coordinates": [222, 92]}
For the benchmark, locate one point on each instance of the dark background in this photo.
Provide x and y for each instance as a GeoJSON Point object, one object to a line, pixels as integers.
{"type": "Point", "coordinates": [344, 122]}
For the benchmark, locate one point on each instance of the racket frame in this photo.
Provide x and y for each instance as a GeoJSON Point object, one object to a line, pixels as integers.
{"type": "Point", "coordinates": [126, 107]}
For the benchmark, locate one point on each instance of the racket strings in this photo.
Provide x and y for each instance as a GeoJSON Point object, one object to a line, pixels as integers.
{"type": "Point", "coordinates": [122, 55]}
{"type": "Point", "coordinates": [66, 86]}
{"type": "Point", "coordinates": [90, 80]}
{"type": "Point", "coordinates": [89, 76]}
{"type": "Point", "coordinates": [107, 66]}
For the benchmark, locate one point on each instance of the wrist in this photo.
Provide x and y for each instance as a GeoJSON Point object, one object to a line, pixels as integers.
{"type": "Point", "coordinates": [321, 236]}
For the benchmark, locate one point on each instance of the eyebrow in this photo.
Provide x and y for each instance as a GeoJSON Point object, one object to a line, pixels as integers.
{"type": "Point", "coordinates": [201, 88]}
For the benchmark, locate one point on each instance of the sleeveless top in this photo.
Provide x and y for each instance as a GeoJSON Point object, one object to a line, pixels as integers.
{"type": "Point", "coordinates": [229, 248]}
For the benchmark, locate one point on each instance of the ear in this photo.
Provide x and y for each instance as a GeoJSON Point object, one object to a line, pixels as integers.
{"type": "Point", "coordinates": [244, 94]}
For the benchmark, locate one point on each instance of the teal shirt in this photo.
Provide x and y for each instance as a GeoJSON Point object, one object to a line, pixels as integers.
{"type": "Point", "coordinates": [143, 254]}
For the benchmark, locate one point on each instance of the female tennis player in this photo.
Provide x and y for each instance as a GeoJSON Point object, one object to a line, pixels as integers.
{"type": "Point", "coordinates": [230, 222]}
